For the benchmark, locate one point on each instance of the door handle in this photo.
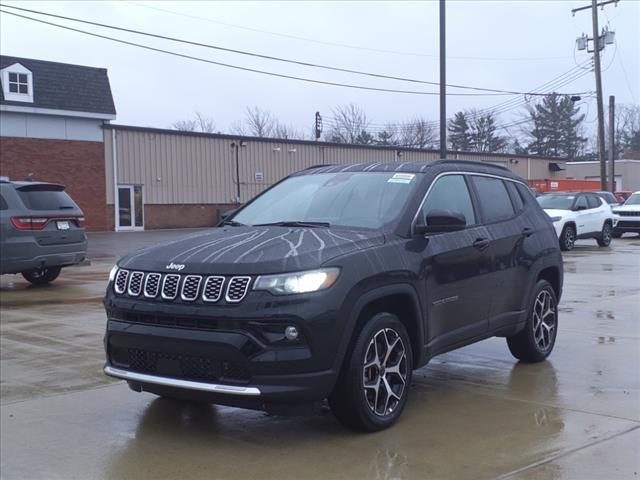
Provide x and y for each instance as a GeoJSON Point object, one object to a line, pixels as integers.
{"type": "Point", "coordinates": [481, 243]}
{"type": "Point", "coordinates": [527, 231]}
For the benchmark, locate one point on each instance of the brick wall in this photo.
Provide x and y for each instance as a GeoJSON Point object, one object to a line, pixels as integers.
{"type": "Point", "coordinates": [78, 165]}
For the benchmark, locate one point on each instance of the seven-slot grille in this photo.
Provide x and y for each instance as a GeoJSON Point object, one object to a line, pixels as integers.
{"type": "Point", "coordinates": [190, 287]}
{"type": "Point", "coordinates": [628, 214]}
{"type": "Point", "coordinates": [237, 289]}
{"type": "Point", "coordinates": [135, 283]}
{"type": "Point", "coordinates": [170, 286]}
{"type": "Point", "coordinates": [152, 285]}
{"type": "Point", "coordinates": [120, 284]}
{"type": "Point", "coordinates": [212, 289]}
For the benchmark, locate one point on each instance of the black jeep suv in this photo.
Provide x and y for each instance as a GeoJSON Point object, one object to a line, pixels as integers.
{"type": "Point", "coordinates": [338, 282]}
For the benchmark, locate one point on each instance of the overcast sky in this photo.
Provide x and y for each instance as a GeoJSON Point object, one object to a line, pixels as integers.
{"type": "Point", "coordinates": [511, 45]}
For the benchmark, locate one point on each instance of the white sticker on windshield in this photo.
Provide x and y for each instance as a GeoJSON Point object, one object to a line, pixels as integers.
{"type": "Point", "coordinates": [402, 178]}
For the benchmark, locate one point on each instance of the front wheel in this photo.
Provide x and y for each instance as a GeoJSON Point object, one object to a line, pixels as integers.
{"type": "Point", "coordinates": [41, 276]}
{"type": "Point", "coordinates": [374, 382]}
{"type": "Point", "coordinates": [604, 239]}
{"type": "Point", "coordinates": [567, 238]}
{"type": "Point", "coordinates": [535, 341]}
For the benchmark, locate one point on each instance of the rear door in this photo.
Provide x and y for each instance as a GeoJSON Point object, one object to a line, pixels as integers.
{"type": "Point", "coordinates": [501, 214]}
{"type": "Point", "coordinates": [584, 218]}
{"type": "Point", "coordinates": [456, 268]}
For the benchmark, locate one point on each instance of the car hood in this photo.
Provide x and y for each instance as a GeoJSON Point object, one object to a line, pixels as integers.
{"type": "Point", "coordinates": [626, 208]}
{"type": "Point", "coordinates": [252, 250]}
{"type": "Point", "coordinates": [554, 212]}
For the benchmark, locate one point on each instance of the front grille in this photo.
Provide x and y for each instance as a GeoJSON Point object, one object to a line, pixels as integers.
{"type": "Point", "coordinates": [185, 366]}
{"type": "Point", "coordinates": [190, 287]}
{"type": "Point", "coordinates": [135, 283]}
{"type": "Point", "coordinates": [120, 284]}
{"type": "Point", "coordinates": [628, 214]}
{"type": "Point", "coordinates": [622, 224]}
{"type": "Point", "coordinates": [212, 289]}
{"type": "Point", "coordinates": [152, 285]}
{"type": "Point", "coordinates": [170, 286]}
{"type": "Point", "coordinates": [237, 289]}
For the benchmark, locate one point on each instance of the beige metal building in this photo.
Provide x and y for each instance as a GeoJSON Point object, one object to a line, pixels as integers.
{"type": "Point", "coordinates": [169, 179]}
{"type": "Point", "coordinates": [627, 173]}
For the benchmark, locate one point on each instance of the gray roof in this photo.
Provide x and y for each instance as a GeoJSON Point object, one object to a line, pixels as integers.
{"type": "Point", "coordinates": [62, 86]}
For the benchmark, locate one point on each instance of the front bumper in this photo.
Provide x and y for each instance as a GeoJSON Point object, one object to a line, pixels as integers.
{"type": "Point", "coordinates": [226, 354]}
{"type": "Point", "coordinates": [626, 224]}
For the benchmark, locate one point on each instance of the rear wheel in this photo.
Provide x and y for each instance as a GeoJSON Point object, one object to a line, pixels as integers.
{"type": "Point", "coordinates": [374, 383]}
{"type": "Point", "coordinates": [535, 342]}
{"type": "Point", "coordinates": [604, 239]}
{"type": "Point", "coordinates": [41, 276]}
{"type": "Point", "coordinates": [567, 238]}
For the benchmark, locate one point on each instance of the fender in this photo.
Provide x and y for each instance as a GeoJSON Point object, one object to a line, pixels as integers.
{"type": "Point", "coordinates": [363, 301]}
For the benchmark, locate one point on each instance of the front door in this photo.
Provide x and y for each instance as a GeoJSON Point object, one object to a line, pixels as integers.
{"type": "Point", "coordinates": [457, 268]}
{"type": "Point", "coordinates": [129, 208]}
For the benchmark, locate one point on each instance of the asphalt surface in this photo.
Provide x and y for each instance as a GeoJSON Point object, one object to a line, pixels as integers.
{"type": "Point", "coordinates": [473, 414]}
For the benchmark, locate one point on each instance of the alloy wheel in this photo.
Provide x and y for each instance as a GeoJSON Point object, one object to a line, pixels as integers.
{"type": "Point", "coordinates": [544, 320]}
{"type": "Point", "coordinates": [569, 238]}
{"type": "Point", "coordinates": [384, 375]}
{"type": "Point", "coordinates": [606, 233]}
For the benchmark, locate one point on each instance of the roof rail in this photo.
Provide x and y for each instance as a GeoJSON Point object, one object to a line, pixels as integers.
{"type": "Point", "coordinates": [470, 162]}
{"type": "Point", "coordinates": [317, 166]}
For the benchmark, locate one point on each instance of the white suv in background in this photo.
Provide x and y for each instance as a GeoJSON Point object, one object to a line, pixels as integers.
{"type": "Point", "coordinates": [578, 215]}
{"type": "Point", "coordinates": [626, 217]}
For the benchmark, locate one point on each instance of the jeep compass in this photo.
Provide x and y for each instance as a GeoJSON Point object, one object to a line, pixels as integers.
{"type": "Point", "coordinates": [336, 283]}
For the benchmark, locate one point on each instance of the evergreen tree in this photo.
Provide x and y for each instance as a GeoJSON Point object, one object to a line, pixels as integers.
{"type": "Point", "coordinates": [556, 127]}
{"type": "Point", "coordinates": [459, 133]}
{"type": "Point", "coordinates": [484, 136]}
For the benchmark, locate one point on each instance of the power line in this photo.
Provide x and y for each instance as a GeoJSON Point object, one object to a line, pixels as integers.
{"type": "Point", "coordinates": [263, 56]}
{"type": "Point", "coordinates": [341, 45]}
{"type": "Point", "coordinates": [237, 67]}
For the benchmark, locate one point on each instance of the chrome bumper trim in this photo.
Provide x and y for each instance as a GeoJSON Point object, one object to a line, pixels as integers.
{"type": "Point", "coordinates": [177, 383]}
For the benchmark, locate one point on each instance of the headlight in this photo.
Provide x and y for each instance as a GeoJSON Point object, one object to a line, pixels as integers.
{"type": "Point", "coordinates": [112, 273]}
{"type": "Point", "coordinates": [556, 219]}
{"type": "Point", "coordinates": [298, 282]}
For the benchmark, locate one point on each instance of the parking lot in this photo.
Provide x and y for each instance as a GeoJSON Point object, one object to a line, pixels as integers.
{"type": "Point", "coordinates": [474, 413]}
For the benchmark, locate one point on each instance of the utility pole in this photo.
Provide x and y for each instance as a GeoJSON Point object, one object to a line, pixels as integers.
{"type": "Point", "coordinates": [598, 44]}
{"type": "Point", "coordinates": [612, 143]}
{"type": "Point", "coordinates": [443, 87]}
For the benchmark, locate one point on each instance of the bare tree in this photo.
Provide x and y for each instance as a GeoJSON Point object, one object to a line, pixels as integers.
{"type": "Point", "coordinates": [198, 124]}
{"type": "Point", "coordinates": [350, 125]}
{"type": "Point", "coordinates": [260, 123]}
{"type": "Point", "coordinates": [417, 133]}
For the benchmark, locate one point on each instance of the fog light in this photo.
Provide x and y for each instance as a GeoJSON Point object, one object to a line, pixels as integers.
{"type": "Point", "coordinates": [291, 333]}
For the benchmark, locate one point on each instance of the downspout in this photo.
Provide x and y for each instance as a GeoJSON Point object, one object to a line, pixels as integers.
{"type": "Point", "coordinates": [114, 161]}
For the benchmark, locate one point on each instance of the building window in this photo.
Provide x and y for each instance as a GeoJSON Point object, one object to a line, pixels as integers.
{"type": "Point", "coordinates": [18, 83]}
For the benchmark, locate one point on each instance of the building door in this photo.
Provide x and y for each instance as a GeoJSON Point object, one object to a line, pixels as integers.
{"type": "Point", "coordinates": [129, 208]}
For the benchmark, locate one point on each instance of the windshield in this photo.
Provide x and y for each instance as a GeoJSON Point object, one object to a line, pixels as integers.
{"type": "Point", "coordinates": [557, 202]}
{"type": "Point", "coordinates": [356, 199]}
{"type": "Point", "coordinates": [633, 199]}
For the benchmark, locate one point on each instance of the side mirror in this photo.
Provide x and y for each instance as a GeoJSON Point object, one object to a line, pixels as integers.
{"type": "Point", "coordinates": [440, 221]}
{"type": "Point", "coordinates": [579, 207]}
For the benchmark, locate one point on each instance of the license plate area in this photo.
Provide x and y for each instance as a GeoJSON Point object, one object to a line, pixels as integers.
{"type": "Point", "coordinates": [62, 224]}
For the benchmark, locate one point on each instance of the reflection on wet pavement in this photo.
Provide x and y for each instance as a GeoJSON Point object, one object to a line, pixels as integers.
{"type": "Point", "coordinates": [473, 413]}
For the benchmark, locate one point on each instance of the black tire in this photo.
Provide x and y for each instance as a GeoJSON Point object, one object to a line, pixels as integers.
{"type": "Point", "coordinates": [369, 409]}
{"type": "Point", "coordinates": [604, 239]}
{"type": "Point", "coordinates": [616, 234]}
{"type": "Point", "coordinates": [41, 276]}
{"type": "Point", "coordinates": [567, 238]}
{"type": "Point", "coordinates": [535, 341]}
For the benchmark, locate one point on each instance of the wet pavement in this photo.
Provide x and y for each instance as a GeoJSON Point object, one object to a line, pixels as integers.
{"type": "Point", "coordinates": [474, 413]}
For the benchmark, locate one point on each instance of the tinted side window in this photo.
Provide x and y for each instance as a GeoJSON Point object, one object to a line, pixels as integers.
{"type": "Point", "coordinates": [3, 203]}
{"type": "Point", "coordinates": [494, 198]}
{"type": "Point", "coordinates": [581, 203]}
{"type": "Point", "coordinates": [450, 193]}
{"type": "Point", "coordinates": [594, 202]}
{"type": "Point", "coordinates": [518, 201]}
{"type": "Point", "coordinates": [525, 193]}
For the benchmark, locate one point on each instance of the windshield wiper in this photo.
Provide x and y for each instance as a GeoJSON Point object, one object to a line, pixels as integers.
{"type": "Point", "coordinates": [232, 223]}
{"type": "Point", "coordinates": [294, 224]}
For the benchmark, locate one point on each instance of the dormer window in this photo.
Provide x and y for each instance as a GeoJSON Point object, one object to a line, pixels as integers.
{"type": "Point", "coordinates": [17, 83]}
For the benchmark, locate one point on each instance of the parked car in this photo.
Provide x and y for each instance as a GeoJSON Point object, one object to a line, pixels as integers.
{"type": "Point", "coordinates": [337, 283]}
{"type": "Point", "coordinates": [622, 196]}
{"type": "Point", "coordinates": [627, 216]}
{"type": "Point", "coordinates": [578, 215]}
{"type": "Point", "coordinates": [42, 230]}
